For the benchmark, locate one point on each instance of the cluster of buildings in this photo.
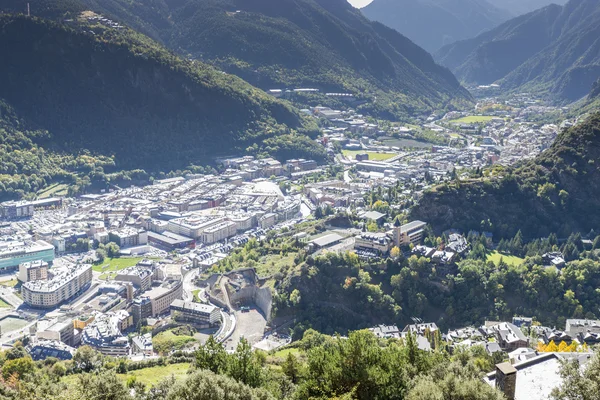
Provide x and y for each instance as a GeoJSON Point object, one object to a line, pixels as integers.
{"type": "Point", "coordinates": [110, 312]}
{"type": "Point", "coordinates": [528, 374]}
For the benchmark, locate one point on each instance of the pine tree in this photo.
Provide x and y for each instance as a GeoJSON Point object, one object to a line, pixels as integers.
{"type": "Point", "coordinates": [291, 367]}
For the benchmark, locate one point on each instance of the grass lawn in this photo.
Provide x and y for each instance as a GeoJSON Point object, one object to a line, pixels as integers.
{"type": "Point", "coordinates": [268, 265]}
{"type": "Point", "coordinates": [151, 376]}
{"type": "Point", "coordinates": [372, 155]}
{"type": "Point", "coordinates": [4, 304]}
{"type": "Point", "coordinates": [116, 264]}
{"type": "Point", "coordinates": [148, 376]}
{"type": "Point", "coordinates": [283, 353]}
{"type": "Point", "coordinates": [167, 340]}
{"type": "Point", "coordinates": [473, 119]}
{"type": "Point", "coordinates": [508, 259]}
{"type": "Point", "coordinates": [57, 189]}
{"type": "Point", "coordinates": [195, 294]}
{"type": "Point", "coordinates": [11, 283]}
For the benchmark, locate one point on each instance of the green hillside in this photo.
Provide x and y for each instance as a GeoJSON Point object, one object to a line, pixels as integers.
{"type": "Point", "coordinates": [556, 192]}
{"type": "Point", "coordinates": [552, 51]}
{"type": "Point", "coordinates": [119, 97]}
{"type": "Point", "coordinates": [283, 44]}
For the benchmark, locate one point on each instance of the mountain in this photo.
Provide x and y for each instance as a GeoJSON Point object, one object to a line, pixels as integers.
{"type": "Point", "coordinates": [520, 7]}
{"type": "Point", "coordinates": [435, 23]}
{"type": "Point", "coordinates": [555, 51]}
{"type": "Point", "coordinates": [558, 191]}
{"type": "Point", "coordinates": [595, 92]}
{"type": "Point", "coordinates": [324, 44]}
{"type": "Point", "coordinates": [82, 88]}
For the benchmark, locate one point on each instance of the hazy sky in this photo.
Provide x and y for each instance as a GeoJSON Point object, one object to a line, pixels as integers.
{"type": "Point", "coordinates": [359, 3]}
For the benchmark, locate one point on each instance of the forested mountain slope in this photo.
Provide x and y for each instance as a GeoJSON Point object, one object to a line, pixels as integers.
{"type": "Point", "coordinates": [324, 44]}
{"type": "Point", "coordinates": [555, 50]}
{"type": "Point", "coordinates": [559, 191]}
{"type": "Point", "coordinates": [435, 23]}
{"type": "Point", "coordinates": [111, 92]}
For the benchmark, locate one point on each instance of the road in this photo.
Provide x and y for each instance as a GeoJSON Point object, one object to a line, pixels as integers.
{"type": "Point", "coordinates": [188, 285]}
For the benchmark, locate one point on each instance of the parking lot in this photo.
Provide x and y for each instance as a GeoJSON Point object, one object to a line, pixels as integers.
{"type": "Point", "coordinates": [250, 325]}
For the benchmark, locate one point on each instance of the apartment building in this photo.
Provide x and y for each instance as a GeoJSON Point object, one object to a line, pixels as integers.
{"type": "Point", "coordinates": [408, 233]}
{"type": "Point", "coordinates": [140, 277]}
{"type": "Point", "coordinates": [376, 241]}
{"type": "Point", "coordinates": [193, 226]}
{"type": "Point", "coordinates": [33, 271]}
{"type": "Point", "coordinates": [216, 233]}
{"type": "Point", "coordinates": [162, 296]}
{"type": "Point", "coordinates": [187, 311]}
{"type": "Point", "coordinates": [66, 284]}
{"type": "Point", "coordinates": [105, 334]}
{"type": "Point", "coordinates": [129, 237]}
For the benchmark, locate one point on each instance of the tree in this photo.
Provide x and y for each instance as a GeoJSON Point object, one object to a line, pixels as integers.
{"type": "Point", "coordinates": [318, 213]}
{"type": "Point", "coordinates": [291, 368]}
{"type": "Point", "coordinates": [596, 244]}
{"type": "Point", "coordinates": [19, 367]}
{"type": "Point", "coordinates": [244, 365]}
{"type": "Point", "coordinates": [295, 297]}
{"type": "Point", "coordinates": [453, 387]}
{"type": "Point", "coordinates": [113, 249]}
{"type": "Point", "coordinates": [104, 386]}
{"type": "Point", "coordinates": [87, 359]}
{"type": "Point", "coordinates": [562, 347]}
{"type": "Point", "coordinates": [578, 383]}
{"type": "Point", "coordinates": [203, 385]}
{"type": "Point", "coordinates": [212, 356]}
{"type": "Point", "coordinates": [516, 245]}
{"type": "Point", "coordinates": [18, 351]}
{"type": "Point", "coordinates": [395, 252]}
{"type": "Point", "coordinates": [101, 255]}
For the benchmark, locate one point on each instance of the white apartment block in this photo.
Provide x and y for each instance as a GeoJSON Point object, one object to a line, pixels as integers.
{"type": "Point", "coordinates": [33, 271]}
{"type": "Point", "coordinates": [193, 226]}
{"type": "Point", "coordinates": [65, 285]}
{"type": "Point", "coordinates": [219, 232]}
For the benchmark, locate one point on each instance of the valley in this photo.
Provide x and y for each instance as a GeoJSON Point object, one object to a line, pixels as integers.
{"type": "Point", "coordinates": [261, 199]}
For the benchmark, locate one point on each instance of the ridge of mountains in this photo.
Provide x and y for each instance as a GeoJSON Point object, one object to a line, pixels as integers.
{"type": "Point", "coordinates": [558, 191]}
{"type": "Point", "coordinates": [520, 7]}
{"type": "Point", "coordinates": [279, 44]}
{"type": "Point", "coordinates": [435, 23]}
{"type": "Point", "coordinates": [553, 51]}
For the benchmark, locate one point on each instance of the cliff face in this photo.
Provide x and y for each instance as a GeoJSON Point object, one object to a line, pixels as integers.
{"type": "Point", "coordinates": [558, 192]}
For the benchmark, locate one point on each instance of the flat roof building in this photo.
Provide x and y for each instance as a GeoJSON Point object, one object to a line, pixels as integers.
{"type": "Point", "coordinates": [195, 312]}
{"type": "Point", "coordinates": [14, 253]}
{"type": "Point", "coordinates": [162, 296]}
{"type": "Point", "coordinates": [408, 233]}
{"type": "Point", "coordinates": [33, 271]}
{"type": "Point", "coordinates": [104, 334]}
{"type": "Point", "coordinates": [65, 285]}
{"type": "Point", "coordinates": [170, 240]}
